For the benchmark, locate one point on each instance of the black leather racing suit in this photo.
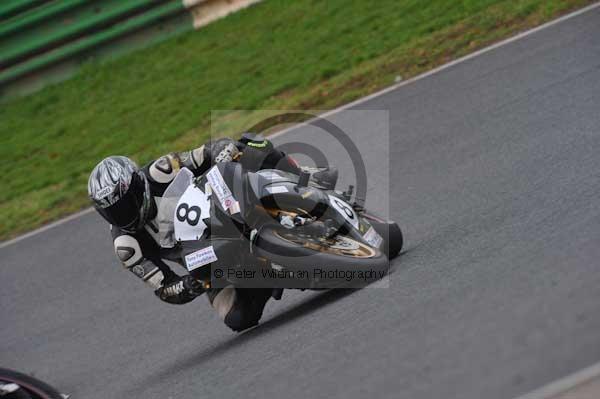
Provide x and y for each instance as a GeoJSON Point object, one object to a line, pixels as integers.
{"type": "Point", "coordinates": [141, 253]}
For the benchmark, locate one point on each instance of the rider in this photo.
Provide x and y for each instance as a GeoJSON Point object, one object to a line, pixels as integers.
{"type": "Point", "coordinates": [127, 197]}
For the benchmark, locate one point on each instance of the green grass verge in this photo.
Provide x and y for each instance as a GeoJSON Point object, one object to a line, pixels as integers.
{"type": "Point", "coordinates": [308, 54]}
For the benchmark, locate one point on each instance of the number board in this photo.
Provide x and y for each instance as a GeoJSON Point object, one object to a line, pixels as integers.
{"type": "Point", "coordinates": [345, 210]}
{"type": "Point", "coordinates": [191, 210]}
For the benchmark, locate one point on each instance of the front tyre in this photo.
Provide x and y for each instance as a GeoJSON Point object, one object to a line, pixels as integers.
{"type": "Point", "coordinates": [393, 240]}
{"type": "Point", "coordinates": [325, 262]}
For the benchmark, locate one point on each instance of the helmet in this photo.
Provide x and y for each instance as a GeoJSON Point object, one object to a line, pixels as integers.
{"type": "Point", "coordinates": [121, 193]}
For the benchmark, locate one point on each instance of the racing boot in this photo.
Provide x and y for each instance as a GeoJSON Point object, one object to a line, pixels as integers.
{"type": "Point", "coordinates": [277, 293]}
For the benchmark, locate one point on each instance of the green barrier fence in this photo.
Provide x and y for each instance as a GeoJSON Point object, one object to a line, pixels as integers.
{"type": "Point", "coordinates": [9, 8]}
{"type": "Point", "coordinates": [90, 41]}
{"type": "Point", "coordinates": [44, 41]}
{"type": "Point", "coordinates": [37, 36]}
{"type": "Point", "coordinates": [37, 15]}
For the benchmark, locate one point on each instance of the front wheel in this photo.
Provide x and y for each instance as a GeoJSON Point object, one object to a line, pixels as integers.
{"type": "Point", "coordinates": [322, 262]}
{"type": "Point", "coordinates": [393, 240]}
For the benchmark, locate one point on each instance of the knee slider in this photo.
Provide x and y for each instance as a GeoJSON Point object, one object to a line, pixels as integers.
{"type": "Point", "coordinates": [235, 312]}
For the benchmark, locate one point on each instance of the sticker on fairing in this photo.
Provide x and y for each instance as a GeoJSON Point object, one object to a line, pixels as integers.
{"type": "Point", "coordinates": [267, 174]}
{"type": "Point", "coordinates": [345, 210]}
{"type": "Point", "coordinates": [277, 189]}
{"type": "Point", "coordinates": [200, 258]}
{"type": "Point", "coordinates": [373, 238]}
{"type": "Point", "coordinates": [234, 208]}
{"type": "Point", "coordinates": [191, 209]}
{"type": "Point", "coordinates": [219, 188]}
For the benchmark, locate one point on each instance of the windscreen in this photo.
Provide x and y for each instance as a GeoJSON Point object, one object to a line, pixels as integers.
{"type": "Point", "coordinates": [166, 209]}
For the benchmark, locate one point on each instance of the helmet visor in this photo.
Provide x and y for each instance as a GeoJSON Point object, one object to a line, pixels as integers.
{"type": "Point", "coordinates": [125, 212]}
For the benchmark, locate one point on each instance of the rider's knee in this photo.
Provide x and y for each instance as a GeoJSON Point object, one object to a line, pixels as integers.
{"type": "Point", "coordinates": [240, 309]}
{"type": "Point", "coordinates": [239, 319]}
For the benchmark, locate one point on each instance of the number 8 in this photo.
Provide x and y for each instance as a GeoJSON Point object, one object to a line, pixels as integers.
{"type": "Point", "coordinates": [185, 217]}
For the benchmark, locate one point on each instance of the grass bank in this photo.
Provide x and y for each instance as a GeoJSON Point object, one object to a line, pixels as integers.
{"type": "Point", "coordinates": [307, 54]}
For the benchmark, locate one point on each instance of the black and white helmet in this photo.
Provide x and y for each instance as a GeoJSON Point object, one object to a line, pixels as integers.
{"type": "Point", "coordinates": [121, 193]}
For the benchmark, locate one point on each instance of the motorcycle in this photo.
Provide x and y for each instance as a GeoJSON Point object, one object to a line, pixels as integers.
{"type": "Point", "coordinates": [15, 385]}
{"type": "Point", "coordinates": [276, 223]}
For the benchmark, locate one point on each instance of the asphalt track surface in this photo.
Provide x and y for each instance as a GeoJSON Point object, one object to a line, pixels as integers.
{"type": "Point", "coordinates": [494, 175]}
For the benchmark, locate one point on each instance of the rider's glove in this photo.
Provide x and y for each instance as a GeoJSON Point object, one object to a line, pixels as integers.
{"type": "Point", "coordinates": [193, 286]}
{"type": "Point", "coordinates": [224, 150]}
{"type": "Point", "coordinates": [181, 290]}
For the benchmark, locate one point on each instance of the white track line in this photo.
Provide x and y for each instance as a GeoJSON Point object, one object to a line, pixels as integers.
{"type": "Point", "coordinates": [359, 101]}
{"type": "Point", "coordinates": [564, 384]}
{"type": "Point", "coordinates": [448, 65]}
{"type": "Point", "coordinates": [46, 227]}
